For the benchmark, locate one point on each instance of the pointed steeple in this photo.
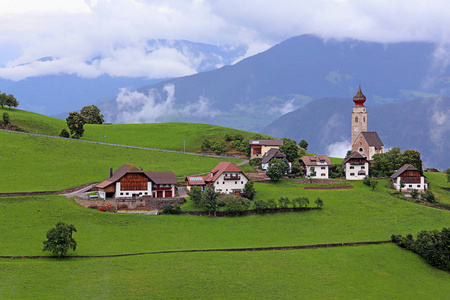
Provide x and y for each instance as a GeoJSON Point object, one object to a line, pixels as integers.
{"type": "Point", "coordinates": [359, 98]}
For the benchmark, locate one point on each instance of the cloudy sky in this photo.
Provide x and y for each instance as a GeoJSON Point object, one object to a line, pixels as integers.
{"type": "Point", "coordinates": [94, 37]}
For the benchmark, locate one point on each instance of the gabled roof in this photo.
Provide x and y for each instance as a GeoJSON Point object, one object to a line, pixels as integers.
{"type": "Point", "coordinates": [404, 168]}
{"type": "Point", "coordinates": [356, 155]}
{"type": "Point", "coordinates": [266, 142]}
{"type": "Point", "coordinates": [272, 153]}
{"type": "Point", "coordinates": [372, 139]}
{"type": "Point", "coordinates": [222, 167]}
{"type": "Point", "coordinates": [319, 160]}
{"type": "Point", "coordinates": [162, 177]}
{"type": "Point", "coordinates": [125, 169]}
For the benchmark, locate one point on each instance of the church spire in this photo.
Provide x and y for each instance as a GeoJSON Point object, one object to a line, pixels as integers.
{"type": "Point", "coordinates": [359, 98]}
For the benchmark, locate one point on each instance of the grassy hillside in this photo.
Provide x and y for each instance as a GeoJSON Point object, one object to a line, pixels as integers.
{"type": "Point", "coordinates": [34, 123]}
{"type": "Point", "coordinates": [34, 163]}
{"type": "Point", "coordinates": [439, 186]}
{"type": "Point", "coordinates": [170, 136]}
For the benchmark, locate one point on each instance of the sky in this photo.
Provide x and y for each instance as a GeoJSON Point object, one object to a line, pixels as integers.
{"type": "Point", "coordinates": [95, 37]}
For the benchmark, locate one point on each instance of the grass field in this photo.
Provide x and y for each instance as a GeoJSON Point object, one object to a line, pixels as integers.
{"type": "Point", "coordinates": [35, 163]}
{"type": "Point", "coordinates": [362, 272]}
{"type": "Point", "coordinates": [34, 123]}
{"type": "Point", "coordinates": [439, 186]}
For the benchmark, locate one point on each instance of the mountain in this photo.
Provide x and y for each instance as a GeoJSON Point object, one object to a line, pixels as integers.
{"type": "Point", "coordinates": [60, 93]}
{"type": "Point", "coordinates": [422, 125]}
{"type": "Point", "coordinates": [257, 90]}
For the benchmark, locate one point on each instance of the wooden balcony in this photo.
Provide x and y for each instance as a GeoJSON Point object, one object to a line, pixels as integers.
{"type": "Point", "coordinates": [232, 177]}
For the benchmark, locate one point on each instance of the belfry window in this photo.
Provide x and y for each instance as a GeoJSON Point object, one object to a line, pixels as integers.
{"type": "Point", "coordinates": [356, 119]}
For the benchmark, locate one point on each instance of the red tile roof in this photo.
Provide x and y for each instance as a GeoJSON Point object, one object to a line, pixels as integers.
{"type": "Point", "coordinates": [162, 177]}
{"type": "Point", "coordinates": [316, 160]}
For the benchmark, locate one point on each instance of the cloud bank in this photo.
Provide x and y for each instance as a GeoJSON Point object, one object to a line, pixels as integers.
{"type": "Point", "coordinates": [91, 38]}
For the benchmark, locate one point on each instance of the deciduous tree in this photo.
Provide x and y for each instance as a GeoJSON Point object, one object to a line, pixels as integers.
{"type": "Point", "coordinates": [303, 144]}
{"type": "Point", "coordinates": [210, 200]}
{"type": "Point", "coordinates": [92, 114]}
{"type": "Point", "coordinates": [276, 169]}
{"type": "Point", "coordinates": [290, 148]}
{"type": "Point", "coordinates": [249, 190]}
{"type": "Point", "coordinates": [60, 240]}
{"type": "Point", "coordinates": [75, 122]}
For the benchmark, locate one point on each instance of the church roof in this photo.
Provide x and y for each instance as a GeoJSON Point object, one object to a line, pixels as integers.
{"type": "Point", "coordinates": [372, 139]}
{"type": "Point", "coordinates": [359, 98]}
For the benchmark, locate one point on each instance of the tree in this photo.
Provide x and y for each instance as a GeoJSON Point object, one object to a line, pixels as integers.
{"type": "Point", "coordinates": [276, 169]}
{"type": "Point", "coordinates": [92, 114]}
{"type": "Point", "coordinates": [196, 195]}
{"type": "Point", "coordinates": [5, 118]}
{"type": "Point", "coordinates": [373, 183]}
{"type": "Point", "coordinates": [60, 240]}
{"type": "Point", "coordinates": [219, 147]}
{"type": "Point", "coordinates": [249, 190]}
{"type": "Point", "coordinates": [412, 157]}
{"type": "Point", "coordinates": [64, 133]}
{"type": "Point", "coordinates": [290, 148]}
{"type": "Point", "coordinates": [312, 173]}
{"type": "Point", "coordinates": [402, 184]}
{"type": "Point", "coordinates": [448, 174]}
{"type": "Point", "coordinates": [210, 200]}
{"type": "Point", "coordinates": [233, 204]}
{"type": "Point", "coordinates": [414, 194]}
{"type": "Point", "coordinates": [297, 168]}
{"type": "Point", "coordinates": [319, 202]}
{"type": "Point", "coordinates": [75, 122]}
{"type": "Point", "coordinates": [284, 202]}
{"type": "Point", "coordinates": [428, 196]}
{"type": "Point", "coordinates": [206, 145]}
{"type": "Point", "coordinates": [8, 100]}
{"type": "Point", "coordinates": [260, 205]}
{"type": "Point", "coordinates": [303, 144]}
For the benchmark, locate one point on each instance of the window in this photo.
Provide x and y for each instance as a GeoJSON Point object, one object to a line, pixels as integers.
{"type": "Point", "coordinates": [323, 168]}
{"type": "Point", "coordinates": [127, 194]}
{"type": "Point", "coordinates": [356, 119]}
{"type": "Point", "coordinates": [223, 182]}
{"type": "Point", "coordinates": [410, 185]}
{"type": "Point", "coordinates": [364, 119]}
{"type": "Point", "coordinates": [418, 185]}
{"type": "Point", "coordinates": [323, 174]}
{"type": "Point", "coordinates": [352, 174]}
{"type": "Point", "coordinates": [235, 182]}
{"type": "Point", "coordinates": [352, 167]}
{"type": "Point", "coordinates": [242, 182]}
{"type": "Point", "coordinates": [217, 183]}
{"type": "Point", "coordinates": [360, 149]}
{"type": "Point", "coordinates": [363, 167]}
{"type": "Point", "coordinates": [121, 194]}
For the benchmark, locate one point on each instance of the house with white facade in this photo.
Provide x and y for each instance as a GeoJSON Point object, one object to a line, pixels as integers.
{"type": "Point", "coordinates": [411, 177]}
{"type": "Point", "coordinates": [271, 154]}
{"type": "Point", "coordinates": [226, 178]}
{"type": "Point", "coordinates": [258, 148]}
{"type": "Point", "coordinates": [130, 181]}
{"type": "Point", "coordinates": [318, 164]}
{"type": "Point", "coordinates": [356, 166]}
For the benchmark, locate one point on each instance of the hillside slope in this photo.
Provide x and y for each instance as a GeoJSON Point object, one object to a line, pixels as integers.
{"type": "Point", "coordinates": [423, 125]}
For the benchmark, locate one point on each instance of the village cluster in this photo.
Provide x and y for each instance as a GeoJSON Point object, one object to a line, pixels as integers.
{"type": "Point", "coordinates": [130, 181]}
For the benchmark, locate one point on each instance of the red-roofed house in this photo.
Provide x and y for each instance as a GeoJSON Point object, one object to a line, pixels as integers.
{"type": "Point", "coordinates": [130, 181]}
{"type": "Point", "coordinates": [320, 164]}
{"type": "Point", "coordinates": [226, 178]}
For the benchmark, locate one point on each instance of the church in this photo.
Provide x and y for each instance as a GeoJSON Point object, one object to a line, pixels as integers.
{"type": "Point", "coordinates": [366, 143]}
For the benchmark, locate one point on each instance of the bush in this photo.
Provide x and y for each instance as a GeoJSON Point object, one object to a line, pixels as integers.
{"type": "Point", "coordinates": [5, 118]}
{"type": "Point", "coordinates": [260, 205]}
{"type": "Point", "coordinates": [271, 204]}
{"type": "Point", "coordinates": [196, 196]}
{"type": "Point", "coordinates": [319, 202]}
{"type": "Point", "coordinates": [366, 180]}
{"type": "Point", "coordinates": [249, 190]}
{"type": "Point", "coordinates": [428, 196]}
{"type": "Point", "coordinates": [174, 209]}
{"type": "Point", "coordinates": [64, 133]}
{"type": "Point", "coordinates": [206, 145]}
{"type": "Point", "coordinates": [284, 202]}
{"type": "Point", "coordinates": [219, 147]}
{"type": "Point", "coordinates": [414, 194]}
{"type": "Point", "coordinates": [255, 162]}
{"type": "Point", "coordinates": [233, 204]}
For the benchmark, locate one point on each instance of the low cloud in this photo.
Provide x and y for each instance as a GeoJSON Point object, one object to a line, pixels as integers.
{"type": "Point", "coordinates": [339, 149]}
{"type": "Point", "coordinates": [136, 107]}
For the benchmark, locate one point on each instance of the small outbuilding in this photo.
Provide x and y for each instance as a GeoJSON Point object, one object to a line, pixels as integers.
{"type": "Point", "coordinates": [356, 166]}
{"type": "Point", "coordinates": [411, 177]}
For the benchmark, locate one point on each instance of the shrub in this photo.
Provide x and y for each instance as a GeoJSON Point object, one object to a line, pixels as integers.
{"type": "Point", "coordinates": [196, 196]}
{"type": "Point", "coordinates": [174, 209]}
{"type": "Point", "coordinates": [255, 162]}
{"type": "Point", "coordinates": [206, 145]}
{"type": "Point", "coordinates": [249, 190]}
{"type": "Point", "coordinates": [414, 194]}
{"type": "Point", "coordinates": [366, 180]}
{"type": "Point", "coordinates": [219, 147]}
{"type": "Point", "coordinates": [64, 133]}
{"type": "Point", "coordinates": [319, 202]}
{"type": "Point", "coordinates": [284, 202]}
{"type": "Point", "coordinates": [271, 204]}
{"type": "Point", "coordinates": [234, 205]}
{"type": "Point", "coordinates": [5, 118]}
{"type": "Point", "coordinates": [260, 205]}
{"type": "Point", "coordinates": [228, 137]}
{"type": "Point", "coordinates": [428, 196]}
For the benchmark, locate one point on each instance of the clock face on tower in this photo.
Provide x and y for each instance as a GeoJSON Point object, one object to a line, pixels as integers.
{"type": "Point", "coordinates": [356, 129]}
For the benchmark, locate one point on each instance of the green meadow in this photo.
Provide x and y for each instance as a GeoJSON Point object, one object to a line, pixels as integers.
{"type": "Point", "coordinates": [39, 163]}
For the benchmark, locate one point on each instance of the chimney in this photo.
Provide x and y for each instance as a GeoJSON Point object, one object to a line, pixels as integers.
{"type": "Point", "coordinates": [111, 172]}
{"type": "Point", "coordinates": [142, 168]}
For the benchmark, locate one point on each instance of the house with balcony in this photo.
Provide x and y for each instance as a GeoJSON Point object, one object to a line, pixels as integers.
{"type": "Point", "coordinates": [258, 148]}
{"type": "Point", "coordinates": [131, 182]}
{"type": "Point", "coordinates": [271, 154]}
{"type": "Point", "coordinates": [226, 178]}
{"type": "Point", "coordinates": [356, 166]}
{"type": "Point", "coordinates": [411, 177]}
{"type": "Point", "coordinates": [316, 166]}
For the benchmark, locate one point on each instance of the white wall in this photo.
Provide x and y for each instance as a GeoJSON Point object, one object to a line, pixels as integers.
{"type": "Point", "coordinates": [356, 168]}
{"type": "Point", "coordinates": [227, 186]}
{"type": "Point", "coordinates": [129, 194]}
{"type": "Point", "coordinates": [420, 186]}
{"type": "Point", "coordinates": [320, 173]}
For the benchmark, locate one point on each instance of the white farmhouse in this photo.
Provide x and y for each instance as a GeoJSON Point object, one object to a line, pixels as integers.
{"type": "Point", "coordinates": [356, 166]}
{"type": "Point", "coordinates": [320, 165]}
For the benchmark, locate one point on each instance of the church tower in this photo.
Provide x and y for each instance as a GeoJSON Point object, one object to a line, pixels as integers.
{"type": "Point", "coordinates": [359, 115]}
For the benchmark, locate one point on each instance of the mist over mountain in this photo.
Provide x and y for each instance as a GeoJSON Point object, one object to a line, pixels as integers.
{"type": "Point", "coordinates": [422, 125]}
{"type": "Point", "coordinates": [65, 91]}
{"type": "Point", "coordinates": [259, 89]}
